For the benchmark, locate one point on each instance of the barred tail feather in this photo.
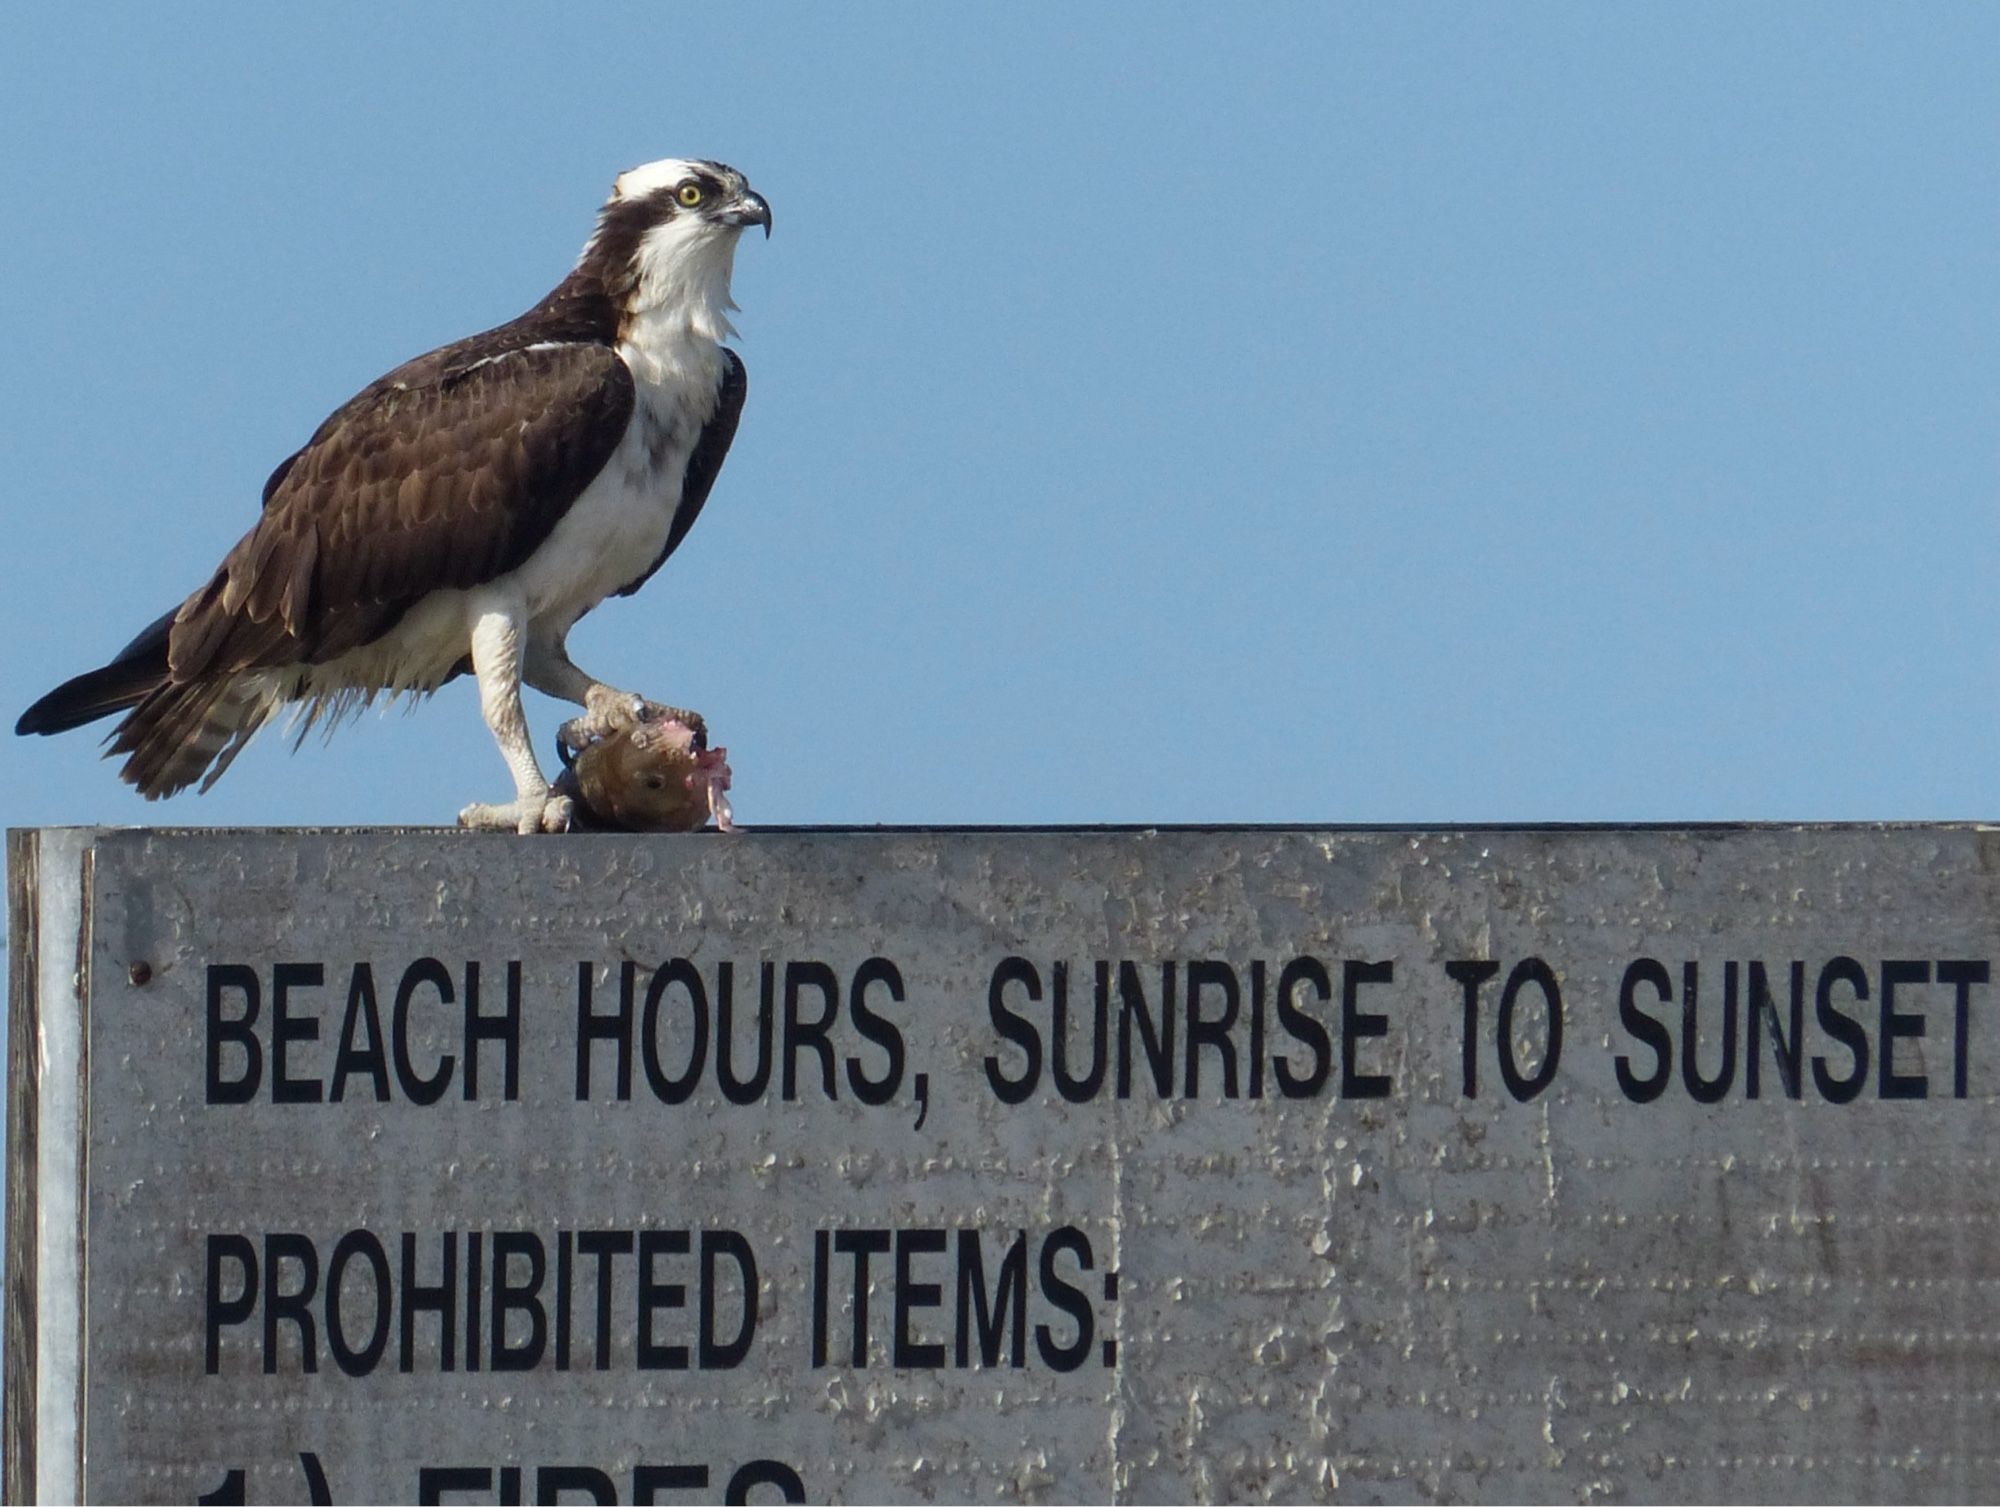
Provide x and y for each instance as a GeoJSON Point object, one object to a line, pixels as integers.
{"type": "Point", "coordinates": [186, 732]}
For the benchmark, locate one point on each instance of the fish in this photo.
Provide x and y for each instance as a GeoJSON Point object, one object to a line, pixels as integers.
{"type": "Point", "coordinates": [652, 771]}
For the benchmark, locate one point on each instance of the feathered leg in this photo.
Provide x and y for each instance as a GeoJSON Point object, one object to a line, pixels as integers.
{"type": "Point", "coordinates": [497, 653]}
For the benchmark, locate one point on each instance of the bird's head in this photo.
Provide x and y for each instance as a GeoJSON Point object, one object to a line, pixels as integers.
{"type": "Point", "coordinates": [665, 243]}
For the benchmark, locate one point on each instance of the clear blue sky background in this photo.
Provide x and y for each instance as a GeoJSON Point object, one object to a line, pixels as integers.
{"type": "Point", "coordinates": [1157, 413]}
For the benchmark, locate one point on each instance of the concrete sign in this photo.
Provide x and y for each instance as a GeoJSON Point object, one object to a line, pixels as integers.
{"type": "Point", "coordinates": [1536, 1164]}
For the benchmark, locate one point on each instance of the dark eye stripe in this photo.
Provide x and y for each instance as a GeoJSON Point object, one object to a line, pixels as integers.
{"type": "Point", "coordinates": [704, 186]}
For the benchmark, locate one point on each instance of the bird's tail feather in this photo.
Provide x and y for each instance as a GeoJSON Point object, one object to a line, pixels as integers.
{"type": "Point", "coordinates": [138, 671]}
{"type": "Point", "coordinates": [174, 732]}
{"type": "Point", "coordinates": [185, 732]}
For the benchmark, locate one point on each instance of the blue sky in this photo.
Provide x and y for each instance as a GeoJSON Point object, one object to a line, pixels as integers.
{"type": "Point", "coordinates": [1157, 413]}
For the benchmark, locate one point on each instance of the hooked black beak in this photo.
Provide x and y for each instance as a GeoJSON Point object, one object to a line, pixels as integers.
{"type": "Point", "coordinates": [749, 209]}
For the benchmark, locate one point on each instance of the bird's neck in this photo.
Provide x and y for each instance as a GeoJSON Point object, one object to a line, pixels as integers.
{"type": "Point", "coordinates": [677, 313]}
{"type": "Point", "coordinates": [666, 301]}
{"type": "Point", "coordinates": [680, 291]}
{"type": "Point", "coordinates": [664, 346]}
{"type": "Point", "coordinates": [580, 307]}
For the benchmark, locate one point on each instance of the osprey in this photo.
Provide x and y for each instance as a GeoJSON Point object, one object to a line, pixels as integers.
{"type": "Point", "coordinates": [463, 512]}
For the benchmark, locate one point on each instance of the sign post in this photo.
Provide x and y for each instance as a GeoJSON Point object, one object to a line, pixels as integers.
{"type": "Point", "coordinates": [1525, 1163]}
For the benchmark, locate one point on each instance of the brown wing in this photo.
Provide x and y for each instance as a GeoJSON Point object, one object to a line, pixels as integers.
{"type": "Point", "coordinates": [704, 461]}
{"type": "Point", "coordinates": [445, 473]}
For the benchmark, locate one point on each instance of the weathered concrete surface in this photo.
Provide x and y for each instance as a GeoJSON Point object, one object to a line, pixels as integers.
{"type": "Point", "coordinates": [1621, 1274]}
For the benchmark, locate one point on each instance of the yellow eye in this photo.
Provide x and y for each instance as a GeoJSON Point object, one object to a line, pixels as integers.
{"type": "Point", "coordinates": [690, 194]}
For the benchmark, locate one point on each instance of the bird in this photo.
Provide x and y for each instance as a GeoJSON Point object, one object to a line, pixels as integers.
{"type": "Point", "coordinates": [462, 512]}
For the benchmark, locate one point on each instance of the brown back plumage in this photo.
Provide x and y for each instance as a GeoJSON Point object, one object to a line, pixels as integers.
{"type": "Point", "coordinates": [445, 473]}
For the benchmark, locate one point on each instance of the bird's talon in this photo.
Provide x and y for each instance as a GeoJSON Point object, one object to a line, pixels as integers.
{"type": "Point", "coordinates": [572, 738]}
{"type": "Point", "coordinates": [527, 816]}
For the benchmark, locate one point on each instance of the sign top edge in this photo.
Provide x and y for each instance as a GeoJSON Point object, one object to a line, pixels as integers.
{"type": "Point", "coordinates": [891, 829]}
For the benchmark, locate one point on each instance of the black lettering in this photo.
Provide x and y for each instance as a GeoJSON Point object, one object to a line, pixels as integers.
{"type": "Point", "coordinates": [604, 1244]}
{"type": "Point", "coordinates": [668, 1089]}
{"type": "Point", "coordinates": [616, 1028]}
{"type": "Point", "coordinates": [352, 1058]}
{"type": "Point", "coordinates": [565, 1291]}
{"type": "Point", "coordinates": [1156, 1033]}
{"type": "Point", "coordinates": [229, 1494]}
{"type": "Point", "coordinates": [1706, 1090]}
{"type": "Point", "coordinates": [800, 975]}
{"type": "Point", "coordinates": [1901, 1025]}
{"type": "Point", "coordinates": [1519, 1086]}
{"type": "Point", "coordinates": [1961, 975]}
{"type": "Point", "coordinates": [363, 1359]}
{"type": "Point", "coordinates": [878, 1029]}
{"type": "Point", "coordinates": [742, 1090]}
{"type": "Point", "coordinates": [1354, 1024]}
{"type": "Point", "coordinates": [1471, 974]}
{"type": "Point", "coordinates": [713, 1353]}
{"type": "Point", "coordinates": [1843, 1028]}
{"type": "Point", "coordinates": [648, 1481]}
{"type": "Point", "coordinates": [1649, 1032]}
{"type": "Point", "coordinates": [417, 1089]}
{"type": "Point", "coordinates": [1789, 1047]}
{"type": "Point", "coordinates": [1009, 1308]}
{"type": "Point", "coordinates": [240, 1032]}
{"type": "Point", "coordinates": [505, 1028]}
{"type": "Point", "coordinates": [1256, 1056]}
{"type": "Point", "coordinates": [819, 1297]}
{"type": "Point", "coordinates": [757, 1473]}
{"type": "Point", "coordinates": [218, 1312]}
{"type": "Point", "coordinates": [294, 1307]}
{"type": "Point", "coordinates": [655, 1295]}
{"type": "Point", "coordinates": [1071, 1299]}
{"type": "Point", "coordinates": [524, 1297]}
{"type": "Point", "coordinates": [1305, 1029]}
{"type": "Point", "coordinates": [287, 1028]}
{"type": "Point", "coordinates": [860, 1244]}
{"type": "Point", "coordinates": [1203, 973]}
{"type": "Point", "coordinates": [475, 1247]}
{"type": "Point", "coordinates": [910, 1294]}
{"type": "Point", "coordinates": [1014, 1028]}
{"type": "Point", "coordinates": [433, 1481]}
{"type": "Point", "coordinates": [551, 1481]}
{"type": "Point", "coordinates": [440, 1298]}
{"type": "Point", "coordinates": [1074, 1089]}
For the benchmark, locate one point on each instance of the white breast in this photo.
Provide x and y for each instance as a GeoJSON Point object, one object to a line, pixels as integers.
{"type": "Point", "coordinates": [619, 525]}
{"type": "Point", "coordinates": [614, 530]}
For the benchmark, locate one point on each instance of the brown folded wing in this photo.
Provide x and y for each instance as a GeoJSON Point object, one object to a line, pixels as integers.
{"type": "Point", "coordinates": [446, 473]}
